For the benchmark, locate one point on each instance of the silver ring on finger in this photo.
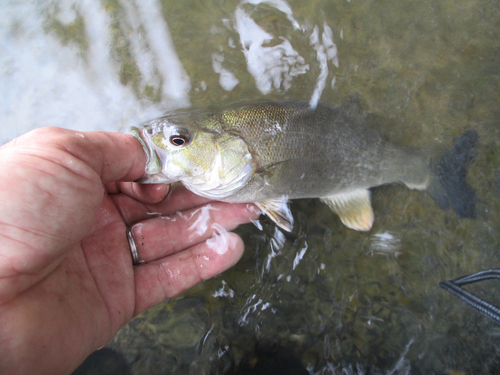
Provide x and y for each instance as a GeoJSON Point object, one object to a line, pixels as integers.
{"type": "Point", "coordinates": [133, 248]}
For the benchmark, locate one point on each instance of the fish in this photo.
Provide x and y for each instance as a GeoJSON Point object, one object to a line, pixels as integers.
{"type": "Point", "coordinates": [272, 152]}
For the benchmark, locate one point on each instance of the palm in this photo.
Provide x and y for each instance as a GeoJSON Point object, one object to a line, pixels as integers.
{"type": "Point", "coordinates": [66, 278]}
{"type": "Point", "coordinates": [100, 269]}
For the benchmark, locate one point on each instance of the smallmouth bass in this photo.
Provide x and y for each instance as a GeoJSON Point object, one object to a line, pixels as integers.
{"type": "Point", "coordinates": [269, 153]}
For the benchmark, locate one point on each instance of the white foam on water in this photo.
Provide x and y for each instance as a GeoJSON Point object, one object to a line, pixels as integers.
{"type": "Point", "coordinates": [282, 6]}
{"type": "Point", "coordinates": [385, 243]}
{"type": "Point", "coordinates": [224, 291]}
{"type": "Point", "coordinates": [249, 308]}
{"type": "Point", "coordinates": [143, 56]}
{"type": "Point", "coordinates": [277, 242]}
{"type": "Point", "coordinates": [252, 307]}
{"type": "Point", "coordinates": [272, 67]}
{"type": "Point", "coordinates": [176, 82]}
{"type": "Point", "coordinates": [403, 366]}
{"type": "Point", "coordinates": [227, 80]}
{"type": "Point", "coordinates": [47, 83]}
{"type": "Point", "coordinates": [300, 255]}
{"type": "Point", "coordinates": [258, 224]}
{"type": "Point", "coordinates": [325, 51]}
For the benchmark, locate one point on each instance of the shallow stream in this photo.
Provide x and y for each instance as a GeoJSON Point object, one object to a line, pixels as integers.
{"type": "Point", "coordinates": [332, 299]}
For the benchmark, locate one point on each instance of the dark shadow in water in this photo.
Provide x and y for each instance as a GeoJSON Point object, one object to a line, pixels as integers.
{"type": "Point", "coordinates": [271, 358]}
{"type": "Point", "coordinates": [104, 362]}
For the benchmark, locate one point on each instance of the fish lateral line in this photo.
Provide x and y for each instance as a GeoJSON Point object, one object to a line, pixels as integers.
{"type": "Point", "coordinates": [261, 153]}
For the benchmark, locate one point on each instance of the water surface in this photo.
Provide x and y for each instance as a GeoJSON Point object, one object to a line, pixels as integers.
{"type": "Point", "coordinates": [340, 301]}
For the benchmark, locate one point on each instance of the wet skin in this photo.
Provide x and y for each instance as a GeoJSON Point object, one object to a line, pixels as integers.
{"type": "Point", "coordinates": [67, 284]}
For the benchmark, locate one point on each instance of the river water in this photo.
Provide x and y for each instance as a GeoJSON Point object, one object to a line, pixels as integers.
{"type": "Point", "coordinates": [327, 298]}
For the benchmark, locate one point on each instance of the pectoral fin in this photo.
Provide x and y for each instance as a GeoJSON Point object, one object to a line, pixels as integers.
{"type": "Point", "coordinates": [354, 208]}
{"type": "Point", "coordinates": [279, 212]}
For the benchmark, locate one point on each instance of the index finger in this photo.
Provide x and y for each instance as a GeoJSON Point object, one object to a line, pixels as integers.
{"type": "Point", "coordinates": [167, 277]}
{"type": "Point", "coordinates": [178, 199]}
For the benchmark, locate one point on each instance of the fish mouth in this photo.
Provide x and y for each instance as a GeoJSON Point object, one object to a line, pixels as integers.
{"type": "Point", "coordinates": [154, 166]}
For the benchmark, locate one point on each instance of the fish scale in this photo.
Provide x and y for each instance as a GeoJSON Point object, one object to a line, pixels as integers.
{"type": "Point", "coordinates": [268, 153]}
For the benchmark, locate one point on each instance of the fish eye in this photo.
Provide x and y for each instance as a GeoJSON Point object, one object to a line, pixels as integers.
{"type": "Point", "coordinates": [179, 137]}
{"type": "Point", "coordinates": [178, 140]}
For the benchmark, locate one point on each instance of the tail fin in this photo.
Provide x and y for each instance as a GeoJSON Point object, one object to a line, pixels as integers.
{"type": "Point", "coordinates": [450, 186]}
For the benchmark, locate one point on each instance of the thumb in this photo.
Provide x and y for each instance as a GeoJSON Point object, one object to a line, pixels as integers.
{"type": "Point", "coordinates": [113, 156]}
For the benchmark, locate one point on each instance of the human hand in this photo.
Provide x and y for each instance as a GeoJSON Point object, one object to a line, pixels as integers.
{"type": "Point", "coordinates": [67, 283]}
